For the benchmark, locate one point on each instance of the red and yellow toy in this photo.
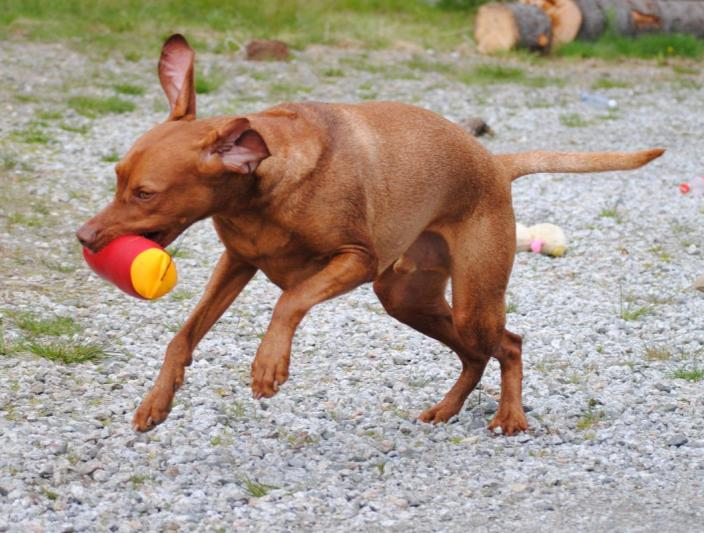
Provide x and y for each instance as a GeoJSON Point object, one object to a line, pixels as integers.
{"type": "Point", "coordinates": [138, 266]}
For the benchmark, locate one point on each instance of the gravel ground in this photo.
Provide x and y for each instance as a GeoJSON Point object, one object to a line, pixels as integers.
{"type": "Point", "coordinates": [616, 439]}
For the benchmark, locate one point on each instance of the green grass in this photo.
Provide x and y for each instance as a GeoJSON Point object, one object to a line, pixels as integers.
{"type": "Point", "coordinates": [573, 120]}
{"type": "Point", "coordinates": [182, 295]}
{"type": "Point", "coordinates": [56, 326]}
{"type": "Point", "coordinates": [331, 73]}
{"type": "Point", "coordinates": [483, 74]}
{"type": "Point", "coordinates": [75, 129]}
{"type": "Point", "coordinates": [491, 73]}
{"type": "Point", "coordinates": [683, 70]}
{"type": "Point", "coordinates": [48, 114]}
{"type": "Point", "coordinates": [693, 375]}
{"type": "Point", "coordinates": [661, 253]}
{"type": "Point", "coordinates": [634, 312]}
{"type": "Point", "coordinates": [31, 221]}
{"type": "Point", "coordinates": [5, 349]}
{"type": "Point", "coordinates": [611, 212]}
{"type": "Point", "coordinates": [208, 84]}
{"type": "Point", "coordinates": [646, 46]}
{"type": "Point", "coordinates": [66, 352]}
{"type": "Point", "coordinates": [282, 90]}
{"type": "Point", "coordinates": [608, 83]}
{"type": "Point", "coordinates": [591, 417]}
{"type": "Point", "coordinates": [138, 480]}
{"type": "Point", "coordinates": [112, 157]}
{"type": "Point", "coordinates": [32, 134]}
{"type": "Point", "coordinates": [136, 29]}
{"type": "Point", "coordinates": [93, 106]}
{"type": "Point", "coordinates": [254, 488]}
{"type": "Point", "coordinates": [128, 88]}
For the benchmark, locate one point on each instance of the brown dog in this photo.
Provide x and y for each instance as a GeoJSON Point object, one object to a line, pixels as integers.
{"type": "Point", "coordinates": [323, 198]}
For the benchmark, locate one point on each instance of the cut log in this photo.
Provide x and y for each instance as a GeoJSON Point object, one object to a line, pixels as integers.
{"type": "Point", "coordinates": [566, 17]}
{"type": "Point", "coordinates": [593, 20]}
{"type": "Point", "coordinates": [501, 27]}
{"type": "Point", "coordinates": [683, 17]}
{"type": "Point", "coordinates": [633, 17]}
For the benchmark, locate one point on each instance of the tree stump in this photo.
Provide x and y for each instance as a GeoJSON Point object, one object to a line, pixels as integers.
{"type": "Point", "coordinates": [633, 17]}
{"type": "Point", "coordinates": [565, 15]}
{"type": "Point", "coordinates": [501, 27]}
{"type": "Point", "coordinates": [593, 20]}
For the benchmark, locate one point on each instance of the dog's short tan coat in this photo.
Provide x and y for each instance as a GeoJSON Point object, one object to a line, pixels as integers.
{"type": "Point", "coordinates": [323, 198]}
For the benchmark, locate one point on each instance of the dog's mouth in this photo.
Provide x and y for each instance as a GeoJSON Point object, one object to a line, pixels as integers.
{"type": "Point", "coordinates": [162, 238]}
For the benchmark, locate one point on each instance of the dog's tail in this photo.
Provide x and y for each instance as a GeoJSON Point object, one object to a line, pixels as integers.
{"type": "Point", "coordinates": [524, 163]}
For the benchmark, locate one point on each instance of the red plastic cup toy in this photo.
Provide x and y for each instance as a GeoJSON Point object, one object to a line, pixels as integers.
{"type": "Point", "coordinates": [138, 266]}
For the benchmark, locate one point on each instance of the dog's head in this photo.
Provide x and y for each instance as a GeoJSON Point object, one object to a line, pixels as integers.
{"type": "Point", "coordinates": [180, 171]}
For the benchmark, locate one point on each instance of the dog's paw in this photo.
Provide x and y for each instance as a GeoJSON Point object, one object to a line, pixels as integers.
{"type": "Point", "coordinates": [268, 373]}
{"type": "Point", "coordinates": [153, 410]}
{"type": "Point", "coordinates": [510, 420]}
{"type": "Point", "coordinates": [439, 413]}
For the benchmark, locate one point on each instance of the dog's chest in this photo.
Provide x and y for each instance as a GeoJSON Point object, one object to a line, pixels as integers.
{"type": "Point", "coordinates": [277, 251]}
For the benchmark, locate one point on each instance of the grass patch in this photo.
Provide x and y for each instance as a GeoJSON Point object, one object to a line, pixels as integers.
{"type": "Point", "coordinates": [254, 488]}
{"type": "Point", "coordinates": [208, 84]}
{"type": "Point", "coordinates": [661, 253]}
{"type": "Point", "coordinates": [138, 480]}
{"type": "Point", "coordinates": [66, 352]}
{"type": "Point", "coordinates": [685, 71]}
{"type": "Point", "coordinates": [573, 120]}
{"type": "Point", "coordinates": [611, 212]}
{"type": "Point", "coordinates": [693, 375]}
{"type": "Point", "coordinates": [32, 134]}
{"type": "Point", "coordinates": [634, 312]}
{"type": "Point", "coordinates": [282, 90]}
{"type": "Point", "coordinates": [112, 157]}
{"type": "Point", "coordinates": [60, 325]}
{"type": "Point", "coordinates": [31, 221]}
{"type": "Point", "coordinates": [135, 30]}
{"type": "Point", "coordinates": [75, 129]}
{"type": "Point", "coordinates": [657, 353]}
{"type": "Point", "coordinates": [484, 74]}
{"type": "Point", "coordinates": [608, 83]}
{"type": "Point", "coordinates": [332, 72]}
{"type": "Point", "coordinates": [128, 88]}
{"type": "Point", "coordinates": [646, 46]}
{"type": "Point", "coordinates": [590, 418]}
{"type": "Point", "coordinates": [93, 106]}
{"type": "Point", "coordinates": [182, 295]}
{"type": "Point", "coordinates": [495, 74]}
{"type": "Point", "coordinates": [47, 114]}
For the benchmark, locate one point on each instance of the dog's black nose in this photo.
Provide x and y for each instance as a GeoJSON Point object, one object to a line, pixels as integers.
{"type": "Point", "coordinates": [86, 235]}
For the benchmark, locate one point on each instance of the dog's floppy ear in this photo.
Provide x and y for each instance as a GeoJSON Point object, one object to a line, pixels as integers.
{"type": "Point", "coordinates": [176, 76]}
{"type": "Point", "coordinates": [239, 147]}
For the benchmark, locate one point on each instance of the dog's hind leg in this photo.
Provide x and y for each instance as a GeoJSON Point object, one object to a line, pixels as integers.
{"type": "Point", "coordinates": [510, 417]}
{"type": "Point", "coordinates": [482, 256]}
{"type": "Point", "coordinates": [416, 297]}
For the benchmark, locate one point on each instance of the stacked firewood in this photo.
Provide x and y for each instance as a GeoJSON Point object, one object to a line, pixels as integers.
{"type": "Point", "coordinates": [541, 24]}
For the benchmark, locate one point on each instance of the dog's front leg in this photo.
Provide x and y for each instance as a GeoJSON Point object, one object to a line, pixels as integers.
{"type": "Point", "coordinates": [343, 273]}
{"type": "Point", "coordinates": [228, 279]}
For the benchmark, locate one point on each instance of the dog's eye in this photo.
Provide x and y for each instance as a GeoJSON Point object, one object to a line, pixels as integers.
{"type": "Point", "coordinates": [144, 195]}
